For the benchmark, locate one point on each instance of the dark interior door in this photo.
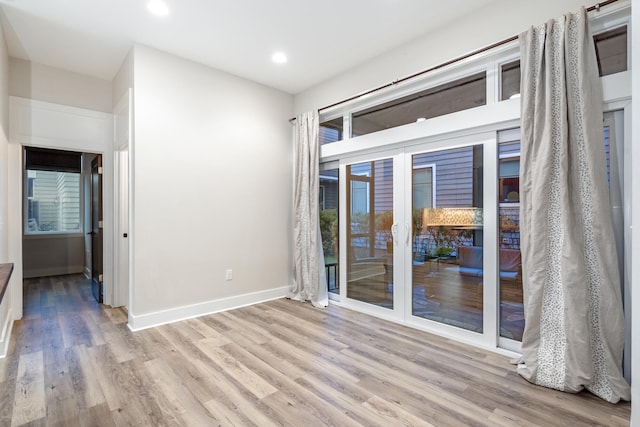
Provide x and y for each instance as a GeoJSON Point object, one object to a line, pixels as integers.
{"type": "Point", "coordinates": [96, 228]}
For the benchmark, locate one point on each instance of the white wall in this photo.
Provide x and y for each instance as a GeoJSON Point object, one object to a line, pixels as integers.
{"type": "Point", "coordinates": [123, 79]}
{"type": "Point", "coordinates": [497, 21]}
{"type": "Point", "coordinates": [6, 316]}
{"type": "Point", "coordinates": [44, 83]}
{"type": "Point", "coordinates": [211, 190]}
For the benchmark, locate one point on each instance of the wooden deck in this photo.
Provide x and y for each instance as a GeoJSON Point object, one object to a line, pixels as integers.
{"type": "Point", "coordinates": [281, 363]}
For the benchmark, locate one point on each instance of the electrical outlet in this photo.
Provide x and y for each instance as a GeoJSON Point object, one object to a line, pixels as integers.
{"type": "Point", "coordinates": [228, 275]}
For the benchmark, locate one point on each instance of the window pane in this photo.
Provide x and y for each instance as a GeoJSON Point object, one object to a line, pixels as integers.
{"type": "Point", "coordinates": [447, 262]}
{"type": "Point", "coordinates": [611, 51]}
{"type": "Point", "coordinates": [329, 226]}
{"type": "Point", "coordinates": [331, 131]}
{"type": "Point", "coordinates": [509, 180]}
{"type": "Point", "coordinates": [53, 202]}
{"type": "Point", "coordinates": [509, 257]}
{"type": "Point", "coordinates": [369, 239]}
{"type": "Point", "coordinates": [455, 96]}
{"type": "Point", "coordinates": [510, 80]}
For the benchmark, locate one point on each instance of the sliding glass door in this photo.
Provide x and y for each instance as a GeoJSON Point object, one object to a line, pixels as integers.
{"type": "Point", "coordinates": [447, 273]}
{"type": "Point", "coordinates": [414, 236]}
{"type": "Point", "coordinates": [370, 232]}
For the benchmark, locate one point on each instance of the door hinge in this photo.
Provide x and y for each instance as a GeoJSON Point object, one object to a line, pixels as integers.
{"type": "Point", "coordinates": [100, 224]}
{"type": "Point", "coordinates": [99, 277]}
{"type": "Point", "coordinates": [99, 170]}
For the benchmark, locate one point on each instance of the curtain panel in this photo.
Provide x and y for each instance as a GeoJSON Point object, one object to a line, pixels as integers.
{"type": "Point", "coordinates": [574, 323]}
{"type": "Point", "coordinates": [309, 277]}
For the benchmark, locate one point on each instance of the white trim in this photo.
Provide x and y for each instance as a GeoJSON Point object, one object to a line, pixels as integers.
{"type": "Point", "coordinates": [433, 167]}
{"type": "Point", "coordinates": [150, 320]}
{"type": "Point", "coordinates": [493, 117]}
{"type": "Point", "coordinates": [122, 129]}
{"type": "Point", "coordinates": [44, 124]}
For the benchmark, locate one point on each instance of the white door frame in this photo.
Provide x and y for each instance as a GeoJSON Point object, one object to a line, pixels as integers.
{"type": "Point", "coordinates": [402, 174]}
{"type": "Point", "coordinates": [122, 130]}
{"type": "Point", "coordinates": [48, 125]}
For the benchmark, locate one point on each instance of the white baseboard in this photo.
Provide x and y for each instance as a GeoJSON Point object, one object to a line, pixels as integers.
{"type": "Point", "coordinates": [7, 327]}
{"type": "Point", "coordinates": [144, 321]}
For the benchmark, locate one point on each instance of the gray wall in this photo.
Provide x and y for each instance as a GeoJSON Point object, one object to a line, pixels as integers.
{"type": "Point", "coordinates": [52, 255]}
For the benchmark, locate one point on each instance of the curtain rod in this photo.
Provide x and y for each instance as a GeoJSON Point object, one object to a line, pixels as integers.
{"type": "Point", "coordinates": [596, 6]}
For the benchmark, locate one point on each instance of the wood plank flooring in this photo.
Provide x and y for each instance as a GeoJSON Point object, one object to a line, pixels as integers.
{"type": "Point", "coordinates": [281, 363]}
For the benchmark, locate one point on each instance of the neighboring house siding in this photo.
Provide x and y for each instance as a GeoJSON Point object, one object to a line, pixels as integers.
{"type": "Point", "coordinates": [56, 197]}
{"type": "Point", "coordinates": [508, 149]}
{"type": "Point", "coordinates": [44, 192]}
{"type": "Point", "coordinates": [69, 199]}
{"type": "Point", "coordinates": [330, 194]}
{"type": "Point", "coordinates": [453, 175]}
{"type": "Point", "coordinates": [384, 185]}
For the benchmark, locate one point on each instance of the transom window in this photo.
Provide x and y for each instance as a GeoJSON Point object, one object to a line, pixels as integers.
{"type": "Point", "coordinates": [458, 95]}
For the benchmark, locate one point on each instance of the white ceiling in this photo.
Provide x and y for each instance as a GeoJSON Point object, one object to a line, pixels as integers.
{"type": "Point", "coordinates": [321, 38]}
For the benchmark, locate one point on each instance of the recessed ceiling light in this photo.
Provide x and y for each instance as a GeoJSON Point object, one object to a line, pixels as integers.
{"type": "Point", "coordinates": [279, 58]}
{"type": "Point", "coordinates": [158, 7]}
{"type": "Point", "coordinates": [514, 96]}
{"type": "Point", "coordinates": [420, 119]}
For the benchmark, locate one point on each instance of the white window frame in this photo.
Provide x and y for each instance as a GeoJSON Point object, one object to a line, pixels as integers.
{"type": "Point", "coordinates": [431, 166]}
{"type": "Point", "coordinates": [44, 234]}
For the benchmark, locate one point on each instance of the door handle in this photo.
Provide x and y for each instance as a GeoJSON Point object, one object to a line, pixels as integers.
{"type": "Point", "coordinates": [406, 232]}
{"type": "Point", "coordinates": [91, 233]}
{"type": "Point", "coordinates": [394, 233]}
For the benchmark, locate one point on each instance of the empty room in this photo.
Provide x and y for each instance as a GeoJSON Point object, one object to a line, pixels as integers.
{"type": "Point", "coordinates": [367, 213]}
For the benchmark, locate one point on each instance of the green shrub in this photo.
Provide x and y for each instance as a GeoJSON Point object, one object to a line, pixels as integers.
{"type": "Point", "coordinates": [329, 231]}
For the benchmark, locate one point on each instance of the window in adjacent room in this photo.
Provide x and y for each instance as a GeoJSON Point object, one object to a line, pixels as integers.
{"type": "Point", "coordinates": [52, 191]}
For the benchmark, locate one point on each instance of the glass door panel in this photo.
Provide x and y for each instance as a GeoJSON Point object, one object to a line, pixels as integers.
{"type": "Point", "coordinates": [509, 257]}
{"type": "Point", "coordinates": [447, 233]}
{"type": "Point", "coordinates": [370, 244]}
{"type": "Point", "coordinates": [328, 192]}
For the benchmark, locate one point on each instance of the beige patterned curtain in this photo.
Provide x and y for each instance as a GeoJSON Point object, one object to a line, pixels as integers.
{"type": "Point", "coordinates": [574, 324]}
{"type": "Point", "coordinates": [310, 283]}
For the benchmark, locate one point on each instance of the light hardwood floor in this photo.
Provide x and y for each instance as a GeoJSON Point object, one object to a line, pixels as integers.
{"type": "Point", "coordinates": [73, 362]}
